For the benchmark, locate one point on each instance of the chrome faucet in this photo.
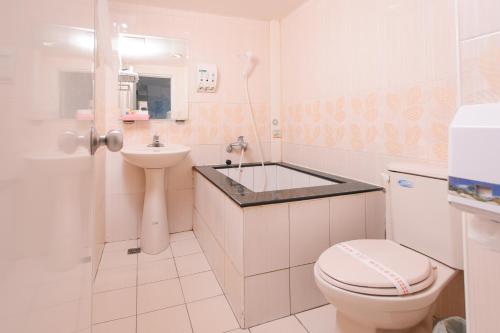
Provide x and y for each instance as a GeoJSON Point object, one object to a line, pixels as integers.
{"type": "Point", "coordinates": [156, 142]}
{"type": "Point", "coordinates": [240, 143]}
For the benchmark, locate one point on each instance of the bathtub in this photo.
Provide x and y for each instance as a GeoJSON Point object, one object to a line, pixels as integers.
{"type": "Point", "coordinates": [262, 240]}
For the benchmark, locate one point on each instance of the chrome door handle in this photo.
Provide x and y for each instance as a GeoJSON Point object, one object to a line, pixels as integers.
{"type": "Point", "coordinates": [113, 140]}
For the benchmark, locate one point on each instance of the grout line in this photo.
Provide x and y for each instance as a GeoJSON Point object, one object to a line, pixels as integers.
{"type": "Point", "coordinates": [183, 296]}
{"type": "Point", "coordinates": [301, 323]}
{"type": "Point", "coordinates": [152, 282]}
{"type": "Point", "coordinates": [161, 309]}
{"type": "Point", "coordinates": [480, 36]}
{"type": "Point", "coordinates": [270, 321]}
{"type": "Point", "coordinates": [110, 290]}
{"type": "Point", "coordinates": [204, 299]}
{"type": "Point", "coordinates": [109, 321]}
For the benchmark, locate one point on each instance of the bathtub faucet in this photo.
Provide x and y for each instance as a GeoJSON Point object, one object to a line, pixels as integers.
{"type": "Point", "coordinates": [240, 143]}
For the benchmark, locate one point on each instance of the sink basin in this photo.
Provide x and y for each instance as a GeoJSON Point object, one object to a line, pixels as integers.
{"type": "Point", "coordinates": [155, 157]}
{"type": "Point", "coordinates": [155, 237]}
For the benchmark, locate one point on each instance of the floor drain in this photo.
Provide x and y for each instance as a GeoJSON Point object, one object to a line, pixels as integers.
{"type": "Point", "coordinates": [134, 250]}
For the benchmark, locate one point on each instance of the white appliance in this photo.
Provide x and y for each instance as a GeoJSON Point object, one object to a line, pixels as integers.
{"type": "Point", "coordinates": [474, 188]}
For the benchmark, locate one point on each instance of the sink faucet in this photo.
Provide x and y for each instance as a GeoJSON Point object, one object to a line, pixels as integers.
{"type": "Point", "coordinates": [240, 143]}
{"type": "Point", "coordinates": [156, 142]}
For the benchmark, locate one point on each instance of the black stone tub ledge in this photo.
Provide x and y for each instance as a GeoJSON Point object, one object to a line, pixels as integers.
{"type": "Point", "coordinates": [245, 197]}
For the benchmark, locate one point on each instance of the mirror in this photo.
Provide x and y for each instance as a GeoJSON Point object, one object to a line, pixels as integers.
{"type": "Point", "coordinates": [154, 95]}
{"type": "Point", "coordinates": [153, 78]}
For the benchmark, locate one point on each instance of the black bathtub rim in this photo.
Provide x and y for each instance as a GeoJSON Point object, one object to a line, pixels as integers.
{"type": "Point", "coordinates": [245, 197]}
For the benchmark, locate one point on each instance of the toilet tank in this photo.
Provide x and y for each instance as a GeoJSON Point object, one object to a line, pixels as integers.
{"type": "Point", "coordinates": [419, 215]}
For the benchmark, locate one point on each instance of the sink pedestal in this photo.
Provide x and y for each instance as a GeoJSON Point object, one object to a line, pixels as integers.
{"type": "Point", "coordinates": [154, 229]}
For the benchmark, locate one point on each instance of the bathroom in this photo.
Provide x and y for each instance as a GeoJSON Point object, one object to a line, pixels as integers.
{"type": "Point", "coordinates": [302, 166]}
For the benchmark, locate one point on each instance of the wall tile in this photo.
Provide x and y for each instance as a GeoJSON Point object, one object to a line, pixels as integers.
{"type": "Point", "coordinates": [234, 290]}
{"type": "Point", "coordinates": [347, 218]}
{"type": "Point", "coordinates": [123, 216]}
{"type": "Point", "coordinates": [267, 297]}
{"type": "Point", "coordinates": [480, 70]}
{"type": "Point", "coordinates": [233, 215]}
{"type": "Point", "coordinates": [200, 230]}
{"type": "Point", "coordinates": [386, 103]}
{"type": "Point", "coordinates": [219, 264]}
{"type": "Point", "coordinates": [266, 238]}
{"type": "Point", "coordinates": [478, 17]}
{"type": "Point", "coordinates": [206, 154]}
{"type": "Point", "coordinates": [180, 210]}
{"type": "Point", "coordinates": [121, 176]}
{"type": "Point", "coordinates": [215, 212]}
{"type": "Point", "coordinates": [309, 230]}
{"type": "Point", "coordinates": [180, 176]}
{"type": "Point", "coordinates": [375, 215]}
{"type": "Point", "coordinates": [304, 293]}
{"type": "Point", "coordinates": [200, 193]}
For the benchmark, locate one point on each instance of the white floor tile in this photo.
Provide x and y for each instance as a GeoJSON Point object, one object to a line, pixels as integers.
{"type": "Point", "coordinates": [185, 247]}
{"type": "Point", "coordinates": [159, 295]}
{"type": "Point", "coordinates": [126, 325]}
{"type": "Point", "coordinates": [288, 325]}
{"type": "Point", "coordinates": [171, 320]}
{"type": "Point", "coordinates": [192, 264]}
{"type": "Point", "coordinates": [320, 320]}
{"type": "Point", "coordinates": [212, 315]}
{"type": "Point", "coordinates": [118, 246]}
{"type": "Point", "coordinates": [114, 304]}
{"type": "Point", "coordinates": [116, 259]}
{"type": "Point", "coordinates": [144, 257]}
{"type": "Point", "coordinates": [239, 330]}
{"type": "Point", "coordinates": [181, 236]}
{"type": "Point", "coordinates": [155, 271]}
{"type": "Point", "coordinates": [115, 278]}
{"type": "Point", "coordinates": [200, 286]}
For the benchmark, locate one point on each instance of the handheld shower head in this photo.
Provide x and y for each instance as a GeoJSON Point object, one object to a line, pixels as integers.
{"type": "Point", "coordinates": [250, 62]}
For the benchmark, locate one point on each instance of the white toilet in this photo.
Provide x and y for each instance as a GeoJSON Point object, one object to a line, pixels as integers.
{"type": "Point", "coordinates": [393, 284]}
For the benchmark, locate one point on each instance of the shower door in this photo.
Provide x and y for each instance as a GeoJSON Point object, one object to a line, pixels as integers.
{"type": "Point", "coordinates": [51, 185]}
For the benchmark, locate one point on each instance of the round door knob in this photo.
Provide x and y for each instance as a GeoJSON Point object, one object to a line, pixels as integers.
{"type": "Point", "coordinates": [114, 140]}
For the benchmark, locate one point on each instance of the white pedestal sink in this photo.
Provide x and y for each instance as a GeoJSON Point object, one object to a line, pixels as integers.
{"type": "Point", "coordinates": [154, 230]}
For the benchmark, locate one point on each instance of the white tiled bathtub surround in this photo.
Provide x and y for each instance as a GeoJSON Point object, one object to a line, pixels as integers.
{"type": "Point", "coordinates": [278, 178]}
{"type": "Point", "coordinates": [265, 258]}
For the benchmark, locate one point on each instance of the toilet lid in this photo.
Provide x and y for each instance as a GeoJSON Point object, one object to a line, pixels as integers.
{"type": "Point", "coordinates": [346, 271]}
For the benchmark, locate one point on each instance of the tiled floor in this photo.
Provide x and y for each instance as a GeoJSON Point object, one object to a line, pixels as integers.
{"type": "Point", "coordinates": [176, 292]}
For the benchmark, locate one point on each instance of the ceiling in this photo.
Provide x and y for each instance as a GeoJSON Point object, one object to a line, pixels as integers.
{"type": "Point", "coordinates": [254, 9]}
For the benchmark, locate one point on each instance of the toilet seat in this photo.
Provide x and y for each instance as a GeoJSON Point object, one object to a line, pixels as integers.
{"type": "Point", "coordinates": [342, 270]}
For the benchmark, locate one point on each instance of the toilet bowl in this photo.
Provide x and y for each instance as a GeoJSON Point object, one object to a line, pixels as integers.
{"type": "Point", "coordinates": [393, 284]}
{"type": "Point", "coordinates": [365, 300]}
